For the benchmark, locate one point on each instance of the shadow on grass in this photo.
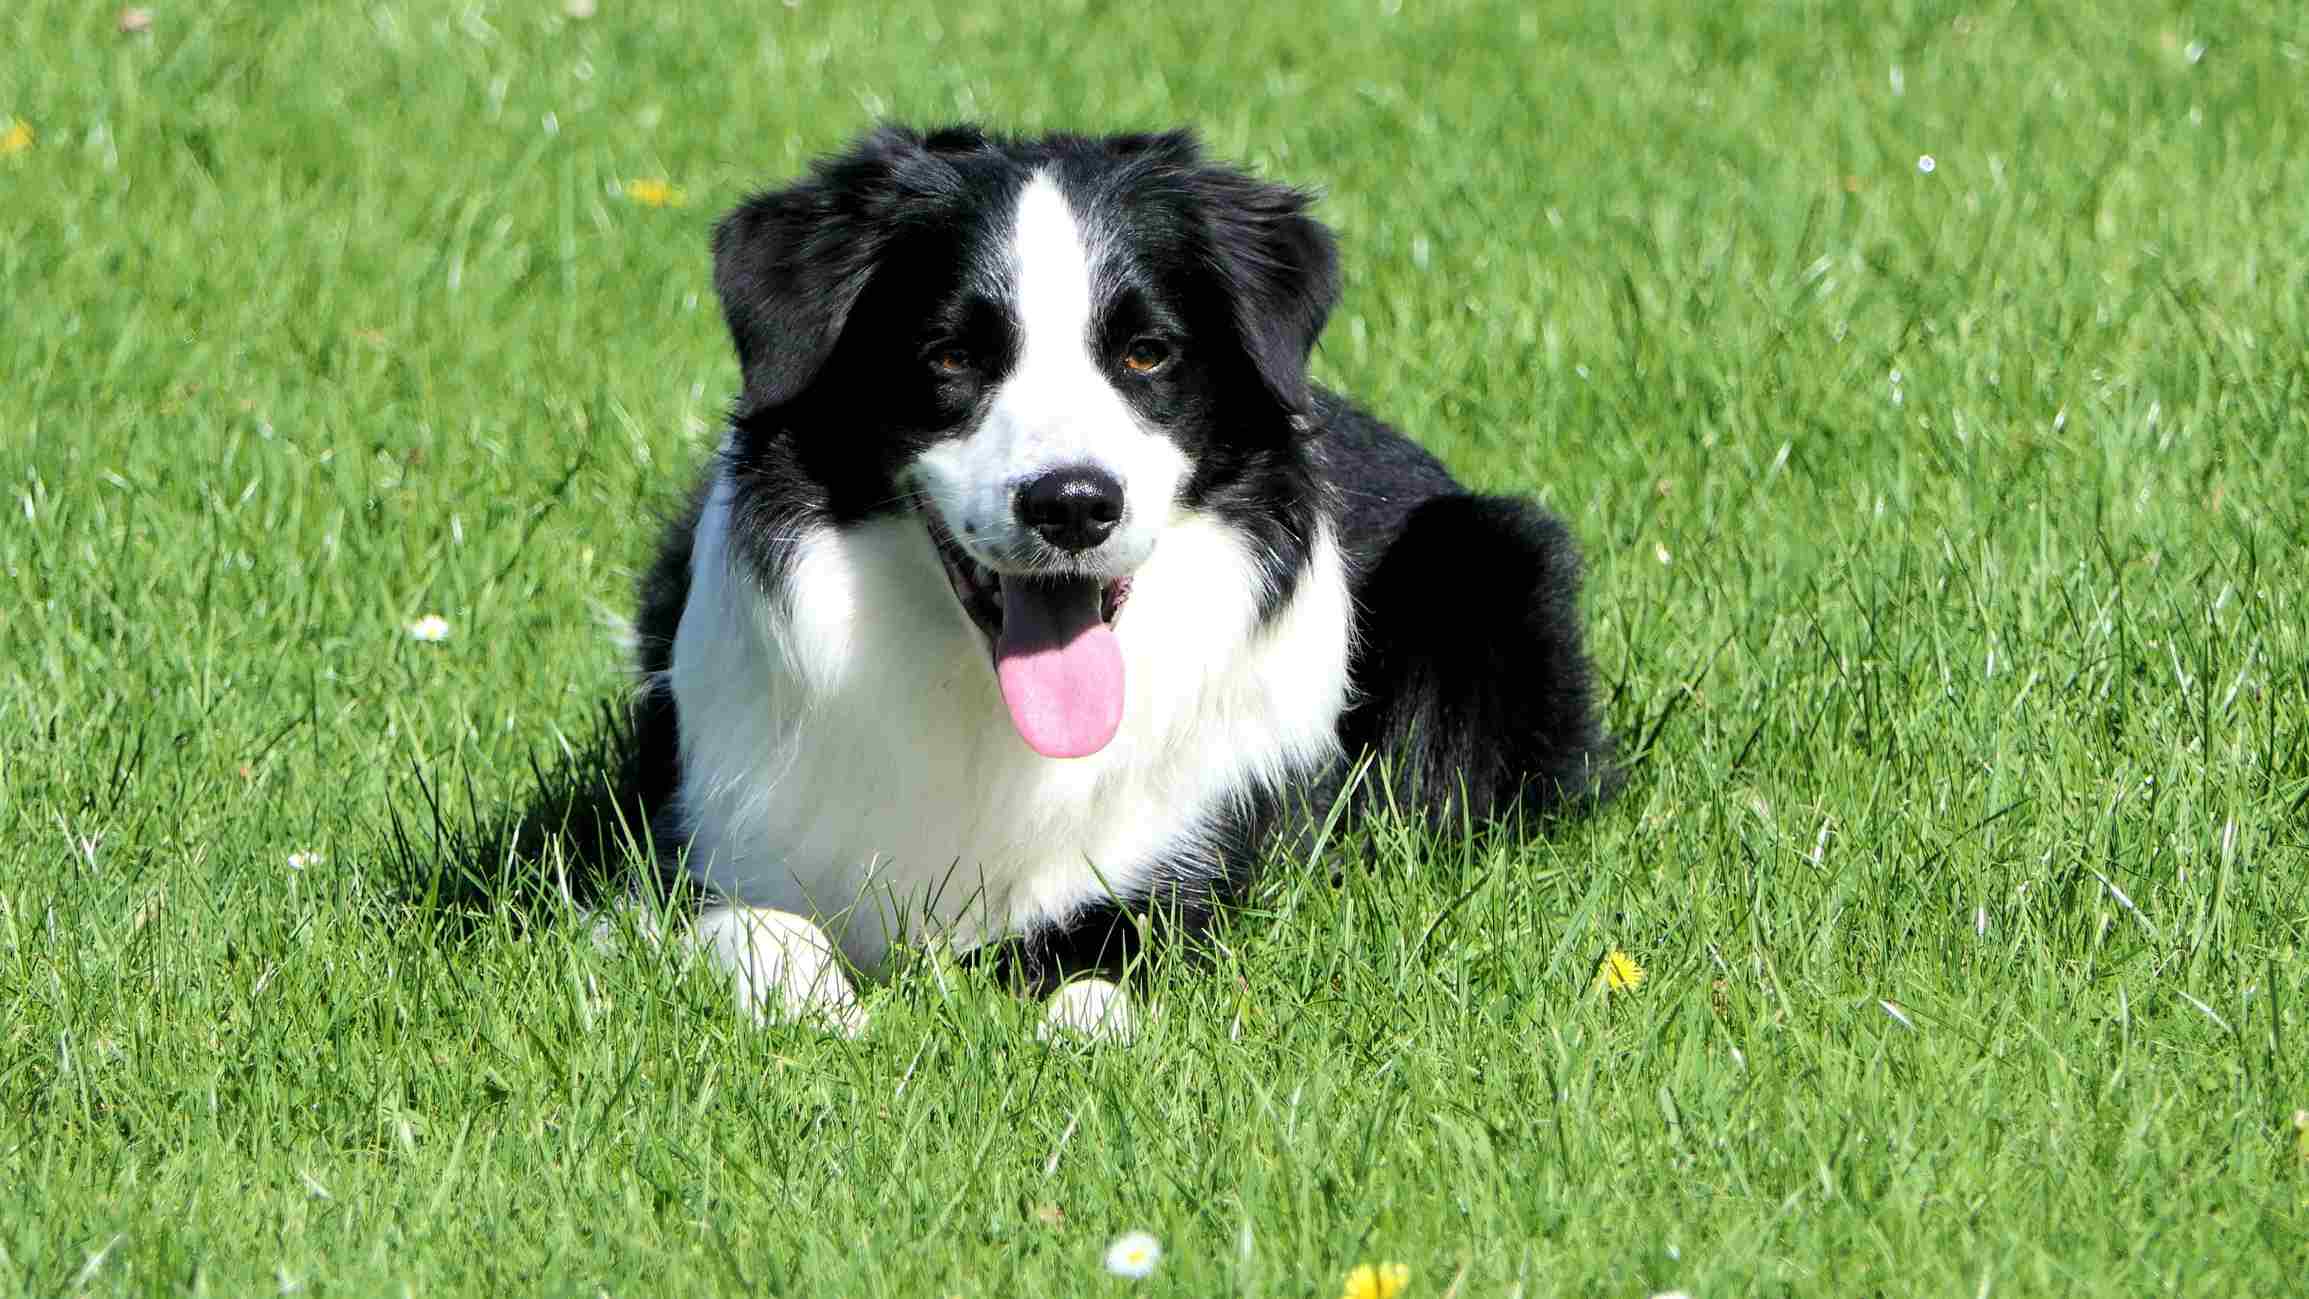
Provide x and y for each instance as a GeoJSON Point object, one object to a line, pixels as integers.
{"type": "Point", "coordinates": [581, 837]}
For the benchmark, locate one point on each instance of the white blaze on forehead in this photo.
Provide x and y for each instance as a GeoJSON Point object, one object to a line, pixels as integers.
{"type": "Point", "coordinates": [1050, 261]}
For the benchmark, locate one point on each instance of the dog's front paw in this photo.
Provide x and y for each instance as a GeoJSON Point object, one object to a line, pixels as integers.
{"type": "Point", "coordinates": [784, 967]}
{"type": "Point", "coordinates": [1091, 1008]}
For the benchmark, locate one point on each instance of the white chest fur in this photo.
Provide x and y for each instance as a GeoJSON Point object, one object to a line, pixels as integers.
{"type": "Point", "coordinates": [846, 754]}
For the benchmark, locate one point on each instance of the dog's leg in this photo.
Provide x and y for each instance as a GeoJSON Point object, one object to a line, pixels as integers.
{"type": "Point", "coordinates": [1473, 688]}
{"type": "Point", "coordinates": [1092, 1008]}
{"type": "Point", "coordinates": [785, 967]}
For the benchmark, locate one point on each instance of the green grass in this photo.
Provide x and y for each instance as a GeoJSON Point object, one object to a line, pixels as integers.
{"type": "Point", "coordinates": [310, 324]}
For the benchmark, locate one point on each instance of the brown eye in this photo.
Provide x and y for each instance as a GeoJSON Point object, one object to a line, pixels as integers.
{"type": "Point", "coordinates": [1146, 356]}
{"type": "Point", "coordinates": [950, 361]}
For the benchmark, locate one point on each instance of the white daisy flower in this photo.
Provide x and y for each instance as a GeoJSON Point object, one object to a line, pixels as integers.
{"type": "Point", "coordinates": [1133, 1254]}
{"type": "Point", "coordinates": [432, 629]}
{"type": "Point", "coordinates": [1925, 164]}
{"type": "Point", "coordinates": [304, 857]}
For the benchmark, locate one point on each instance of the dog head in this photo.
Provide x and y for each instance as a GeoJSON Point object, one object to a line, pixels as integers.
{"type": "Point", "coordinates": [1047, 347]}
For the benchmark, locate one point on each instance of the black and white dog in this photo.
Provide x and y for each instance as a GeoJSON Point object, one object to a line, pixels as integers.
{"type": "Point", "coordinates": [1034, 587]}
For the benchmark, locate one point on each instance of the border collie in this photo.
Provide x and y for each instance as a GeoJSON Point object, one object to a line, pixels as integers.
{"type": "Point", "coordinates": [1034, 590]}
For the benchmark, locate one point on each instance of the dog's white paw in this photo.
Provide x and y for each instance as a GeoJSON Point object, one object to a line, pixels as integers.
{"type": "Point", "coordinates": [1090, 1008]}
{"type": "Point", "coordinates": [784, 967]}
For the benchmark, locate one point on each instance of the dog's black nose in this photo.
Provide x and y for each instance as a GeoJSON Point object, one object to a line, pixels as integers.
{"type": "Point", "coordinates": [1073, 508]}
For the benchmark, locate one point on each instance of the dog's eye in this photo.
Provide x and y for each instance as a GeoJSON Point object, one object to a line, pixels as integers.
{"type": "Point", "coordinates": [1146, 356]}
{"type": "Point", "coordinates": [950, 360]}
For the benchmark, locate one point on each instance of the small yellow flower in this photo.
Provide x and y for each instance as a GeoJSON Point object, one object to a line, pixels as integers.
{"type": "Point", "coordinates": [653, 193]}
{"type": "Point", "coordinates": [1618, 973]}
{"type": "Point", "coordinates": [1376, 1281]}
{"type": "Point", "coordinates": [17, 138]}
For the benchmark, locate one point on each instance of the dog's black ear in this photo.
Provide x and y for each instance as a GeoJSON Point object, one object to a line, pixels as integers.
{"type": "Point", "coordinates": [1282, 268]}
{"type": "Point", "coordinates": [790, 264]}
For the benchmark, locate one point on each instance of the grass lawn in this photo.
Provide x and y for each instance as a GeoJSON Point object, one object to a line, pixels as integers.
{"type": "Point", "coordinates": [1930, 391]}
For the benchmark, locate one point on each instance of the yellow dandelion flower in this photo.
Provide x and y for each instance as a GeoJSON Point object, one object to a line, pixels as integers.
{"type": "Point", "coordinates": [653, 193]}
{"type": "Point", "coordinates": [1618, 972]}
{"type": "Point", "coordinates": [1376, 1281]}
{"type": "Point", "coordinates": [17, 138]}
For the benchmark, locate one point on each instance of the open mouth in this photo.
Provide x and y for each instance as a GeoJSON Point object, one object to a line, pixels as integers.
{"type": "Point", "coordinates": [1055, 653]}
{"type": "Point", "coordinates": [980, 589]}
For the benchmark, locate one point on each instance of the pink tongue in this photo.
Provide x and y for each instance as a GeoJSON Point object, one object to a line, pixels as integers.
{"type": "Point", "coordinates": [1060, 666]}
